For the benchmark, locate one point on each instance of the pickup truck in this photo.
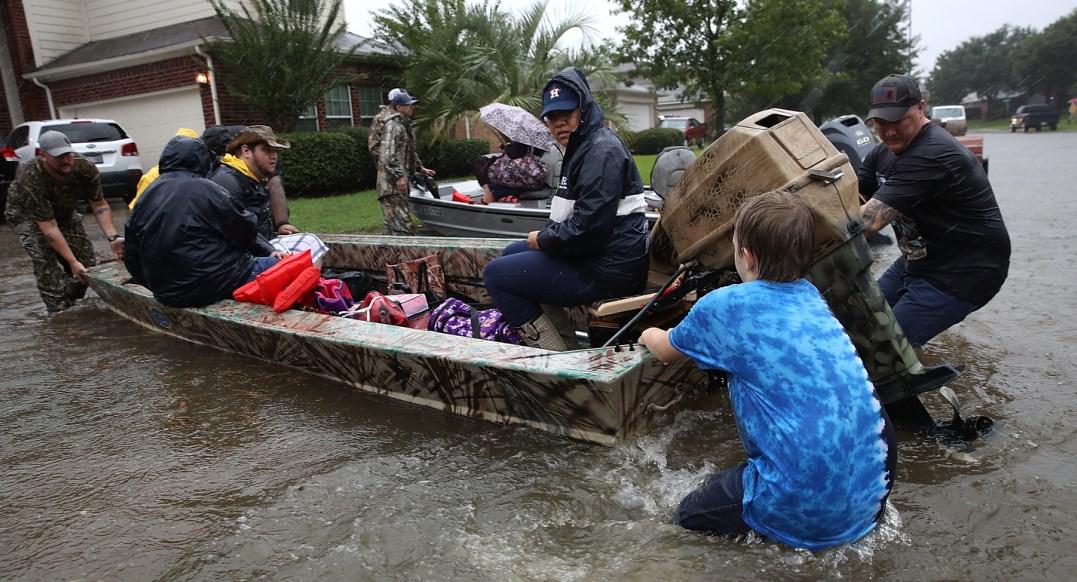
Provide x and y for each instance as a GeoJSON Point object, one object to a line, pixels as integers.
{"type": "Point", "coordinates": [1034, 116]}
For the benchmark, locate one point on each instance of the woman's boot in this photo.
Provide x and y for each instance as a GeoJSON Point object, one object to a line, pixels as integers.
{"type": "Point", "coordinates": [541, 333]}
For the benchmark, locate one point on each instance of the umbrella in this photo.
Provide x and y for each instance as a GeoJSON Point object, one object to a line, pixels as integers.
{"type": "Point", "coordinates": [518, 125]}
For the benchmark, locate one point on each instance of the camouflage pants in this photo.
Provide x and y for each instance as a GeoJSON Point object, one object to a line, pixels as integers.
{"type": "Point", "coordinates": [57, 288]}
{"type": "Point", "coordinates": [396, 214]}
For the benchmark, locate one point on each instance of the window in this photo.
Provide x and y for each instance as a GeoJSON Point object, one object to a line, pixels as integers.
{"type": "Point", "coordinates": [369, 102]}
{"type": "Point", "coordinates": [19, 137]}
{"type": "Point", "coordinates": [308, 120]}
{"type": "Point", "coordinates": [338, 107]}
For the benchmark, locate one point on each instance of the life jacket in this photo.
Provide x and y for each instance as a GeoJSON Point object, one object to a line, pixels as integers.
{"type": "Point", "coordinates": [302, 285]}
{"type": "Point", "coordinates": [265, 288]}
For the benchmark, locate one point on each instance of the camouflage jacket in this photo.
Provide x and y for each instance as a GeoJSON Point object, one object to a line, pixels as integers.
{"type": "Point", "coordinates": [35, 195]}
{"type": "Point", "coordinates": [399, 156]}
{"type": "Point", "coordinates": [377, 131]}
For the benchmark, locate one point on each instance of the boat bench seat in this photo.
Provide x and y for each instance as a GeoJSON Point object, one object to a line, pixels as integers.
{"type": "Point", "coordinates": [612, 307]}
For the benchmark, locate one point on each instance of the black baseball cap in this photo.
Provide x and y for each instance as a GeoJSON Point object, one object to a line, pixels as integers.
{"type": "Point", "coordinates": [892, 96]}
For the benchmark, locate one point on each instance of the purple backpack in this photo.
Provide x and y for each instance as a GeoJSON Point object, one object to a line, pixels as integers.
{"type": "Point", "coordinates": [527, 172]}
{"type": "Point", "coordinates": [455, 317]}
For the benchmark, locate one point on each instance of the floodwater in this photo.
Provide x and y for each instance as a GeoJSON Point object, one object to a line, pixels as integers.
{"type": "Point", "coordinates": [125, 455]}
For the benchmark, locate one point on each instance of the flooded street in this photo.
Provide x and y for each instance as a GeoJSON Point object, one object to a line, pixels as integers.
{"type": "Point", "coordinates": [127, 455]}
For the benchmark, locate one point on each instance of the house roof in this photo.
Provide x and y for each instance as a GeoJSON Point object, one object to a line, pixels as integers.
{"type": "Point", "coordinates": [140, 42]}
{"type": "Point", "coordinates": [160, 42]}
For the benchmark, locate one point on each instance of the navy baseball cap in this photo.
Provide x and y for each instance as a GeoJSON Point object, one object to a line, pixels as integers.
{"type": "Point", "coordinates": [558, 96]}
{"type": "Point", "coordinates": [892, 96]}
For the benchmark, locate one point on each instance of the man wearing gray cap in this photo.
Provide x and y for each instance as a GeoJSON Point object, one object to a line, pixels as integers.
{"type": "Point", "coordinates": [954, 244]}
{"type": "Point", "coordinates": [41, 209]}
{"type": "Point", "coordinates": [398, 159]}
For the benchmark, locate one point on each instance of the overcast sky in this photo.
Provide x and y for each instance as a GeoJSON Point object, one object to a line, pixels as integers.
{"type": "Point", "coordinates": [940, 24]}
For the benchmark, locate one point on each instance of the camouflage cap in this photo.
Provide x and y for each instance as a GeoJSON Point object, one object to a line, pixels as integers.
{"type": "Point", "coordinates": [256, 134]}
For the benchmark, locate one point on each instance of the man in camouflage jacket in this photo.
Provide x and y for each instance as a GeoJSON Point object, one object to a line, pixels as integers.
{"type": "Point", "coordinates": [41, 209]}
{"type": "Point", "coordinates": [398, 159]}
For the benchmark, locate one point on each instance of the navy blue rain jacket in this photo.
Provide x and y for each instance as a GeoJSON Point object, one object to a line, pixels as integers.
{"type": "Point", "coordinates": [187, 239]}
{"type": "Point", "coordinates": [598, 179]}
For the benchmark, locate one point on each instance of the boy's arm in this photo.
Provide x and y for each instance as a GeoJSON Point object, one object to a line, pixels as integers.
{"type": "Point", "coordinates": [657, 341]}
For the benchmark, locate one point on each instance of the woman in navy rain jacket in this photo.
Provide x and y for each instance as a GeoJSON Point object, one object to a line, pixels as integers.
{"type": "Point", "coordinates": [595, 244]}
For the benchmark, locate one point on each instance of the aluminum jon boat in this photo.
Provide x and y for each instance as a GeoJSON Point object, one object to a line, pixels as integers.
{"type": "Point", "coordinates": [454, 217]}
{"type": "Point", "coordinates": [596, 394]}
{"type": "Point", "coordinates": [600, 395]}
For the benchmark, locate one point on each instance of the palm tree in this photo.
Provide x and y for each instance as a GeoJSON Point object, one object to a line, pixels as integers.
{"type": "Point", "coordinates": [462, 57]}
{"type": "Point", "coordinates": [281, 56]}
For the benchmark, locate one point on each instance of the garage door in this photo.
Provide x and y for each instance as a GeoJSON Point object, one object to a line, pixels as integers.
{"type": "Point", "coordinates": [151, 120]}
{"type": "Point", "coordinates": [638, 115]}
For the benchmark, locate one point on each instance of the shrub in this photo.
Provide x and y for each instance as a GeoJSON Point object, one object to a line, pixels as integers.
{"type": "Point", "coordinates": [453, 157]}
{"type": "Point", "coordinates": [652, 141]}
{"type": "Point", "coordinates": [367, 170]}
{"type": "Point", "coordinates": [318, 164]}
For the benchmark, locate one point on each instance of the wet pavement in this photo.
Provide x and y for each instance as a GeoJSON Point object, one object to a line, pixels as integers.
{"type": "Point", "coordinates": [126, 455]}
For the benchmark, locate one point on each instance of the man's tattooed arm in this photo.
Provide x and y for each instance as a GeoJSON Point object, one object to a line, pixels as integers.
{"type": "Point", "coordinates": [875, 215]}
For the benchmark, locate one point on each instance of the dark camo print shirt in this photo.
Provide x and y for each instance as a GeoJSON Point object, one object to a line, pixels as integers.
{"type": "Point", "coordinates": [36, 195]}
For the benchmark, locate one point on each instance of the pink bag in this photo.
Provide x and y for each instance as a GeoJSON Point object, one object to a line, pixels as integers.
{"type": "Point", "coordinates": [332, 296]}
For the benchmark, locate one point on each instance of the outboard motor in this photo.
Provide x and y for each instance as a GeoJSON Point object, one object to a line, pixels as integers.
{"type": "Point", "coordinates": [851, 136]}
{"type": "Point", "coordinates": [783, 150]}
{"type": "Point", "coordinates": [668, 168]}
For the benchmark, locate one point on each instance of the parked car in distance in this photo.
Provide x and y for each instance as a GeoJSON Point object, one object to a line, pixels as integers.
{"type": "Point", "coordinates": [695, 133]}
{"type": "Point", "coordinates": [101, 141]}
{"type": "Point", "coordinates": [1035, 117]}
{"type": "Point", "coordinates": [9, 162]}
{"type": "Point", "coordinates": [951, 117]}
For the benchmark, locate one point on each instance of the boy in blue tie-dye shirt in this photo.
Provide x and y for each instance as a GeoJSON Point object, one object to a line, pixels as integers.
{"type": "Point", "coordinates": [821, 453]}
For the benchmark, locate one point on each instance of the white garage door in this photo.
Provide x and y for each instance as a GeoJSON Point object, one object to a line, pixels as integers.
{"type": "Point", "coordinates": [151, 120]}
{"type": "Point", "coordinates": [638, 114]}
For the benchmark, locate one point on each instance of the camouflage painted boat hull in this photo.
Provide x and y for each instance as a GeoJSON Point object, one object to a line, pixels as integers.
{"type": "Point", "coordinates": [600, 395]}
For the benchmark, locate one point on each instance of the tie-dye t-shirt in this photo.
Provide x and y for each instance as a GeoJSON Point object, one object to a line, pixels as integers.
{"type": "Point", "coordinates": [805, 409]}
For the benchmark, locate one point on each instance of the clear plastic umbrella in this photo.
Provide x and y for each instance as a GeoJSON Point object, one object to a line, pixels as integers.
{"type": "Point", "coordinates": [518, 125]}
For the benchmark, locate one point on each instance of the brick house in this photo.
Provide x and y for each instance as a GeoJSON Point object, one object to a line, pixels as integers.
{"type": "Point", "coordinates": [145, 64]}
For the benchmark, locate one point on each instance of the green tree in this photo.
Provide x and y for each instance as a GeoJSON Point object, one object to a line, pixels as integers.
{"type": "Point", "coordinates": [460, 57]}
{"type": "Point", "coordinates": [757, 52]}
{"type": "Point", "coordinates": [1047, 62]}
{"type": "Point", "coordinates": [281, 56]}
{"type": "Point", "coordinates": [876, 44]}
{"type": "Point", "coordinates": [982, 64]}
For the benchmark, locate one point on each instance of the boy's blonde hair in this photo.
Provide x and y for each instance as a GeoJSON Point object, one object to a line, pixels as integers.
{"type": "Point", "coordinates": [779, 229]}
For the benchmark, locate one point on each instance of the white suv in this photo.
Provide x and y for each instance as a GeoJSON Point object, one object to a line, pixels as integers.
{"type": "Point", "coordinates": [102, 141]}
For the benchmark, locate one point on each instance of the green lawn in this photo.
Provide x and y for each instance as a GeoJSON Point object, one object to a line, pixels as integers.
{"type": "Point", "coordinates": [360, 212]}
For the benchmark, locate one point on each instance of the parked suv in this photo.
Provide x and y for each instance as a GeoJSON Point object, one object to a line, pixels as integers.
{"type": "Point", "coordinates": [1034, 116]}
{"type": "Point", "coordinates": [102, 141]}
{"type": "Point", "coordinates": [695, 133]}
{"type": "Point", "coordinates": [951, 117]}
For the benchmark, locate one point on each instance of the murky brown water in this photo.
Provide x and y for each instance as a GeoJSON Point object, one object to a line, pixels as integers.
{"type": "Point", "coordinates": [126, 455]}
